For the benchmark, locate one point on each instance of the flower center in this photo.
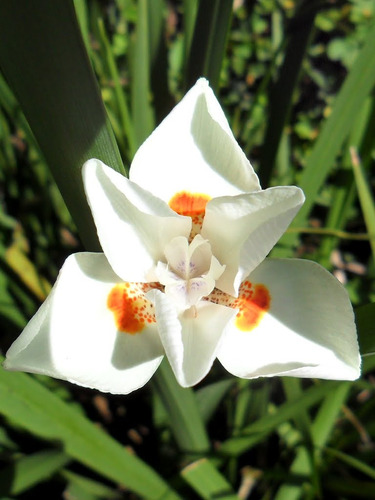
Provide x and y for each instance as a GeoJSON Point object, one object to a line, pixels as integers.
{"type": "Point", "coordinates": [190, 272]}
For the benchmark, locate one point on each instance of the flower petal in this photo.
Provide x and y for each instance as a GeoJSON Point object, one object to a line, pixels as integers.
{"type": "Point", "coordinates": [73, 335]}
{"type": "Point", "coordinates": [193, 150]}
{"type": "Point", "coordinates": [191, 339]}
{"type": "Point", "coordinates": [243, 229]}
{"type": "Point", "coordinates": [133, 225]}
{"type": "Point", "coordinates": [308, 331]}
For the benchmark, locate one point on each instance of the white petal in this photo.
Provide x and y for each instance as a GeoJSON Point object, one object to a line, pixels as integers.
{"type": "Point", "coordinates": [133, 225]}
{"type": "Point", "coordinates": [190, 340]}
{"type": "Point", "coordinates": [243, 229]}
{"type": "Point", "coordinates": [73, 335]}
{"type": "Point", "coordinates": [193, 150]}
{"type": "Point", "coordinates": [309, 330]}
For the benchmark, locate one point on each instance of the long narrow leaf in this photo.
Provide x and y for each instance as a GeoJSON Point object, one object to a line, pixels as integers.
{"type": "Point", "coordinates": [300, 30]}
{"type": "Point", "coordinates": [350, 99]}
{"type": "Point", "coordinates": [183, 411]}
{"type": "Point", "coordinates": [365, 197]}
{"type": "Point", "coordinates": [32, 407]}
{"type": "Point", "coordinates": [143, 119]}
{"type": "Point", "coordinates": [365, 319]}
{"type": "Point", "coordinates": [208, 43]}
{"type": "Point", "coordinates": [30, 470]}
{"type": "Point", "coordinates": [206, 480]}
{"type": "Point", "coordinates": [257, 431]}
{"type": "Point", "coordinates": [44, 60]}
{"type": "Point", "coordinates": [321, 429]}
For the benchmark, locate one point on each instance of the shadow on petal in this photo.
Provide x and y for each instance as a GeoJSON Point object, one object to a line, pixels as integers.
{"type": "Point", "coordinates": [132, 350]}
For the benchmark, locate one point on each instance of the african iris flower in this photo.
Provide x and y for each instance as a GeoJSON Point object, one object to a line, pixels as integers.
{"type": "Point", "coordinates": [184, 273]}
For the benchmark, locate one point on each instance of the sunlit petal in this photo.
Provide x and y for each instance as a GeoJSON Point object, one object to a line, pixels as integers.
{"type": "Point", "coordinates": [308, 330]}
{"type": "Point", "coordinates": [193, 150]}
{"type": "Point", "coordinates": [133, 225]}
{"type": "Point", "coordinates": [74, 337]}
{"type": "Point", "coordinates": [191, 339]}
{"type": "Point", "coordinates": [243, 229]}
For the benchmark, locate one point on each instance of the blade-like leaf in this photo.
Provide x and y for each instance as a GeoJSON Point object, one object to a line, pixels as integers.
{"type": "Point", "coordinates": [208, 43]}
{"type": "Point", "coordinates": [321, 429]}
{"type": "Point", "coordinates": [142, 111]}
{"type": "Point", "coordinates": [365, 319]}
{"type": "Point", "coordinates": [44, 60]}
{"type": "Point", "coordinates": [365, 197]}
{"type": "Point", "coordinates": [350, 99]}
{"type": "Point", "coordinates": [207, 481]}
{"type": "Point", "coordinates": [182, 408]}
{"type": "Point", "coordinates": [30, 470]}
{"type": "Point", "coordinates": [257, 431]}
{"type": "Point", "coordinates": [299, 30]}
{"type": "Point", "coordinates": [35, 409]}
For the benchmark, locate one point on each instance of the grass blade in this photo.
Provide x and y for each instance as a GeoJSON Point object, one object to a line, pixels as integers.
{"type": "Point", "coordinates": [207, 481]}
{"type": "Point", "coordinates": [257, 431]}
{"type": "Point", "coordinates": [142, 112]}
{"type": "Point", "coordinates": [209, 40]}
{"type": "Point", "coordinates": [300, 29]}
{"type": "Point", "coordinates": [30, 470]}
{"type": "Point", "coordinates": [365, 319]}
{"type": "Point", "coordinates": [43, 57]}
{"type": "Point", "coordinates": [350, 99]}
{"type": "Point", "coordinates": [32, 407]}
{"type": "Point", "coordinates": [365, 197]}
{"type": "Point", "coordinates": [183, 411]}
{"type": "Point", "coordinates": [305, 462]}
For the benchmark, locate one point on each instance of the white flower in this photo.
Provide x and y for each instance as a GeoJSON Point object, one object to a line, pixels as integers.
{"type": "Point", "coordinates": [183, 273]}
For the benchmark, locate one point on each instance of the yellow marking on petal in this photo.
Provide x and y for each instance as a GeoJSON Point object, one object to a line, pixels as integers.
{"type": "Point", "coordinates": [193, 205]}
{"type": "Point", "coordinates": [253, 302]}
{"type": "Point", "coordinates": [131, 310]}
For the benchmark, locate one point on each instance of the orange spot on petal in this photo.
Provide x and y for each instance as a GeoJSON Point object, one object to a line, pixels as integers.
{"type": "Point", "coordinates": [192, 204]}
{"type": "Point", "coordinates": [130, 308]}
{"type": "Point", "coordinates": [253, 302]}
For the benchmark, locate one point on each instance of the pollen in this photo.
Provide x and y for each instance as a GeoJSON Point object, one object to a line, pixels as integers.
{"type": "Point", "coordinates": [193, 205]}
{"type": "Point", "coordinates": [132, 311]}
{"type": "Point", "coordinates": [253, 302]}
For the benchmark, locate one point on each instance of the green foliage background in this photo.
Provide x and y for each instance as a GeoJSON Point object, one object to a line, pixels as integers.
{"type": "Point", "coordinates": [296, 79]}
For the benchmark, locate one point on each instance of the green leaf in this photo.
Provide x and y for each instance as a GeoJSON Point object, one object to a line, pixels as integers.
{"type": "Point", "coordinates": [162, 99]}
{"type": "Point", "coordinates": [304, 465]}
{"type": "Point", "coordinates": [365, 319]}
{"type": "Point", "coordinates": [256, 432]}
{"type": "Point", "coordinates": [210, 396]}
{"type": "Point", "coordinates": [365, 197]}
{"type": "Point", "coordinates": [127, 128]}
{"type": "Point", "coordinates": [183, 412]}
{"type": "Point", "coordinates": [37, 410]}
{"type": "Point", "coordinates": [142, 111]}
{"type": "Point", "coordinates": [350, 99]}
{"type": "Point", "coordinates": [300, 29]}
{"type": "Point", "coordinates": [209, 40]}
{"type": "Point", "coordinates": [207, 481]}
{"type": "Point", "coordinates": [352, 462]}
{"type": "Point", "coordinates": [44, 60]}
{"type": "Point", "coordinates": [84, 486]}
{"type": "Point", "coordinates": [30, 470]}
